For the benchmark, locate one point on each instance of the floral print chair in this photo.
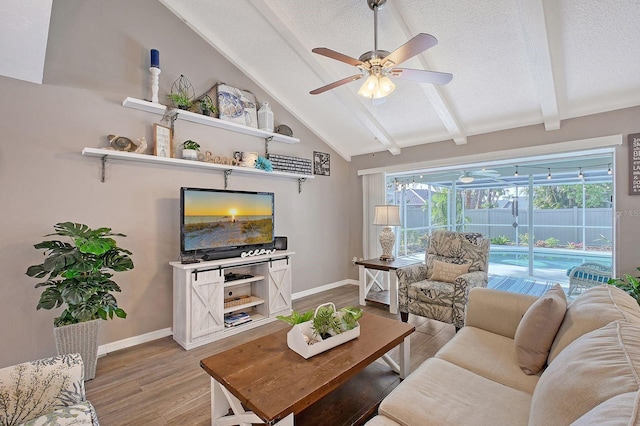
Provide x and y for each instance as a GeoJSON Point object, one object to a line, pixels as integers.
{"type": "Point", "coordinates": [48, 391]}
{"type": "Point", "coordinates": [455, 262]}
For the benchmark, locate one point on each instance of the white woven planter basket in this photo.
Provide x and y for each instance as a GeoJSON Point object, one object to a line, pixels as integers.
{"type": "Point", "coordinates": [80, 338]}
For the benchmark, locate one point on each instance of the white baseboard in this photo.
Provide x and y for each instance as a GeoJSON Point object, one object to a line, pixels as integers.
{"type": "Point", "coordinates": [320, 289]}
{"type": "Point", "coordinates": [132, 341]}
{"type": "Point", "coordinates": [158, 334]}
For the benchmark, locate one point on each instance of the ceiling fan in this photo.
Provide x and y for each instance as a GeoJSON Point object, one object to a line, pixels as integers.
{"type": "Point", "coordinates": [378, 65]}
{"type": "Point", "coordinates": [469, 176]}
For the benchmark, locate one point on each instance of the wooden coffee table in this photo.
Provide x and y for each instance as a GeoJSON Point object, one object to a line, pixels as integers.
{"type": "Point", "coordinates": [265, 381]}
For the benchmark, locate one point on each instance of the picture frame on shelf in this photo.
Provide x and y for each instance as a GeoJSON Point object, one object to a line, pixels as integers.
{"type": "Point", "coordinates": [321, 163]}
{"type": "Point", "coordinates": [163, 144]}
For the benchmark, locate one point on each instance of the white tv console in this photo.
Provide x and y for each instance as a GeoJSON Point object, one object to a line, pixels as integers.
{"type": "Point", "coordinates": [200, 289]}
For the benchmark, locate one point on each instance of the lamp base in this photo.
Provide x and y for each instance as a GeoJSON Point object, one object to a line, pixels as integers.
{"type": "Point", "coordinates": [387, 241]}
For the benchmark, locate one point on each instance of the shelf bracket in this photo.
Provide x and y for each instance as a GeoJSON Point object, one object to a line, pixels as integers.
{"type": "Point", "coordinates": [170, 117]}
{"type": "Point", "coordinates": [102, 171]}
{"type": "Point", "coordinates": [266, 145]}
{"type": "Point", "coordinates": [226, 177]}
{"type": "Point", "coordinates": [300, 181]}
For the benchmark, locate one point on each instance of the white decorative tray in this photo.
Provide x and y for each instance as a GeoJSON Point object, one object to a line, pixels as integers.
{"type": "Point", "coordinates": [297, 342]}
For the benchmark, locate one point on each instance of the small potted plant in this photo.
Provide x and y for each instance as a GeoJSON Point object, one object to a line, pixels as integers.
{"type": "Point", "coordinates": [77, 277]}
{"type": "Point", "coordinates": [190, 150]}
{"type": "Point", "coordinates": [207, 107]}
{"type": "Point", "coordinates": [180, 100]}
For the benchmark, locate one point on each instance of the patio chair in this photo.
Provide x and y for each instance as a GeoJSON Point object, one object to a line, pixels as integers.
{"type": "Point", "coordinates": [426, 290]}
{"type": "Point", "coordinates": [587, 275]}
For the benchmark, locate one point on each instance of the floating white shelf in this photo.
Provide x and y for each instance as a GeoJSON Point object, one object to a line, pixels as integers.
{"type": "Point", "coordinates": [193, 117]}
{"type": "Point", "coordinates": [146, 158]}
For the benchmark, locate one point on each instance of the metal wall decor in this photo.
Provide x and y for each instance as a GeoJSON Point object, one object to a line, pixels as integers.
{"type": "Point", "coordinates": [321, 163]}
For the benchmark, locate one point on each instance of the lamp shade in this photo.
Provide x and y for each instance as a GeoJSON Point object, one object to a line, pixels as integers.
{"type": "Point", "coordinates": [387, 215]}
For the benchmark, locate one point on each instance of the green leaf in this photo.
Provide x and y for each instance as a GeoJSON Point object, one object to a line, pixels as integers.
{"type": "Point", "coordinates": [36, 271]}
{"type": "Point", "coordinates": [75, 295]}
{"type": "Point", "coordinates": [49, 299]}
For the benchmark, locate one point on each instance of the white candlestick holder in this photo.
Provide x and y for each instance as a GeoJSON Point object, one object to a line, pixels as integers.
{"type": "Point", "coordinates": [155, 83]}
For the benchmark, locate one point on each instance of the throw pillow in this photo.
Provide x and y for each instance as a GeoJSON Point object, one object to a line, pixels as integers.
{"type": "Point", "coordinates": [538, 328]}
{"type": "Point", "coordinates": [448, 272]}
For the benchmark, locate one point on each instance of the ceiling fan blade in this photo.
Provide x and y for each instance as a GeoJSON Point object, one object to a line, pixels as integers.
{"type": "Point", "coordinates": [336, 84]}
{"type": "Point", "coordinates": [416, 45]}
{"type": "Point", "coordinates": [337, 56]}
{"type": "Point", "coordinates": [422, 76]}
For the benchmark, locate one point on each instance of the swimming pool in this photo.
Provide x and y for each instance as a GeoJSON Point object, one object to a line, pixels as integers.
{"type": "Point", "coordinates": [548, 264]}
{"type": "Point", "coordinates": [545, 260]}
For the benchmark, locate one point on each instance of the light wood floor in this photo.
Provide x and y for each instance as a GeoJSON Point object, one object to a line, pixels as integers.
{"type": "Point", "coordinates": [159, 383]}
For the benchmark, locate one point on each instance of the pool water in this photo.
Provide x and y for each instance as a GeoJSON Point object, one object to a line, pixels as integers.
{"type": "Point", "coordinates": [562, 261]}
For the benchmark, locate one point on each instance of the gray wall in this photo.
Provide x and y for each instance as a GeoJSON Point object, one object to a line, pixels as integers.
{"type": "Point", "coordinates": [98, 54]}
{"type": "Point", "coordinates": [627, 207]}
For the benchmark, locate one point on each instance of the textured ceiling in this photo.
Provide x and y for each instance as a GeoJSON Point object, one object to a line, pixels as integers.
{"type": "Point", "coordinates": [24, 28]}
{"type": "Point", "coordinates": [514, 62]}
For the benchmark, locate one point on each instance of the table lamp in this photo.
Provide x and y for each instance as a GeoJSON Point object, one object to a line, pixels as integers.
{"type": "Point", "coordinates": [387, 216]}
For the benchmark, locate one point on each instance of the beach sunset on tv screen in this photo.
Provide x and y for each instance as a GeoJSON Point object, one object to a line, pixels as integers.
{"type": "Point", "coordinates": [214, 219]}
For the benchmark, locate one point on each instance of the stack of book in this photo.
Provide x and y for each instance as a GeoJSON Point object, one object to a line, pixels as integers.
{"type": "Point", "coordinates": [236, 319]}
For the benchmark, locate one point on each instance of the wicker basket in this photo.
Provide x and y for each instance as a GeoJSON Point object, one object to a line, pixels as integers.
{"type": "Point", "coordinates": [80, 338]}
{"type": "Point", "coordinates": [242, 300]}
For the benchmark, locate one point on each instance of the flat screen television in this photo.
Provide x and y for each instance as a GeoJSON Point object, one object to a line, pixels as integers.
{"type": "Point", "coordinates": [217, 223]}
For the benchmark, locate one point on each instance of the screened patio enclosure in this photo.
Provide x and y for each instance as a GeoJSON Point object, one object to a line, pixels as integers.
{"type": "Point", "coordinates": [542, 219]}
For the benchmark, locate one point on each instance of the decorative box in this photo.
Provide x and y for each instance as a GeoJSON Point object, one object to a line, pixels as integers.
{"type": "Point", "coordinates": [284, 163]}
{"type": "Point", "coordinates": [236, 105]}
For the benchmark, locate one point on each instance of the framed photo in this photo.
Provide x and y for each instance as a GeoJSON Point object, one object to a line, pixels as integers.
{"type": "Point", "coordinates": [163, 146]}
{"type": "Point", "coordinates": [321, 163]}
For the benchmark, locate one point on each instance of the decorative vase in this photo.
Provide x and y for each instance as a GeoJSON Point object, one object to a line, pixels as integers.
{"type": "Point", "coordinates": [190, 154]}
{"type": "Point", "coordinates": [265, 117]}
{"type": "Point", "coordinates": [387, 241]}
{"type": "Point", "coordinates": [80, 338]}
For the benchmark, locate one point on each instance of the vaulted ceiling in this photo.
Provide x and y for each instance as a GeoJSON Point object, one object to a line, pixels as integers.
{"type": "Point", "coordinates": [514, 63]}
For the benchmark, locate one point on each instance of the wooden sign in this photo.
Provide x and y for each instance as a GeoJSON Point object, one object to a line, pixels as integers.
{"type": "Point", "coordinates": [634, 164]}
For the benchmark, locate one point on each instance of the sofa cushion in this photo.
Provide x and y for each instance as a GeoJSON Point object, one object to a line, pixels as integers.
{"type": "Point", "coordinates": [489, 355]}
{"type": "Point", "coordinates": [592, 370]}
{"type": "Point", "coordinates": [381, 421]}
{"type": "Point", "coordinates": [611, 412]}
{"type": "Point", "coordinates": [448, 272]}
{"type": "Point", "coordinates": [441, 393]}
{"type": "Point", "coordinates": [610, 302]}
{"type": "Point", "coordinates": [538, 328]}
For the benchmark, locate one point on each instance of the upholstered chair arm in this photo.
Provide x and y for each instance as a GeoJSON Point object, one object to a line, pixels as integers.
{"type": "Point", "coordinates": [461, 287]}
{"type": "Point", "coordinates": [497, 311]}
{"type": "Point", "coordinates": [33, 389]}
{"type": "Point", "coordinates": [406, 276]}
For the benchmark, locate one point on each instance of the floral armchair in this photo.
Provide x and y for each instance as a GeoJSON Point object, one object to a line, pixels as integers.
{"type": "Point", "coordinates": [48, 391]}
{"type": "Point", "coordinates": [455, 262]}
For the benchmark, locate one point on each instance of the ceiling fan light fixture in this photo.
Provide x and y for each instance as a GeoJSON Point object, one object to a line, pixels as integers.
{"type": "Point", "coordinates": [466, 178]}
{"type": "Point", "coordinates": [376, 87]}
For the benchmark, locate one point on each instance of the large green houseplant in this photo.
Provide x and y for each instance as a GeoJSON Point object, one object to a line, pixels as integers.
{"type": "Point", "coordinates": [630, 284]}
{"type": "Point", "coordinates": [77, 276]}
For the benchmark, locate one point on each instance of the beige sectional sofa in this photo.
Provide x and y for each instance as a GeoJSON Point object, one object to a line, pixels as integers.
{"type": "Point", "coordinates": [592, 375]}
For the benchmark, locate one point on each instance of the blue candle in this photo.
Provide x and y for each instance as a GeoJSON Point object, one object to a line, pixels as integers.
{"type": "Point", "coordinates": [155, 58]}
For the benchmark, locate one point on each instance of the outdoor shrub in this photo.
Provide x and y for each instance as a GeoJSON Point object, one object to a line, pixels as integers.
{"type": "Point", "coordinates": [500, 240]}
{"type": "Point", "coordinates": [551, 242]}
{"type": "Point", "coordinates": [540, 243]}
{"type": "Point", "coordinates": [524, 238]}
{"type": "Point", "coordinates": [574, 246]}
